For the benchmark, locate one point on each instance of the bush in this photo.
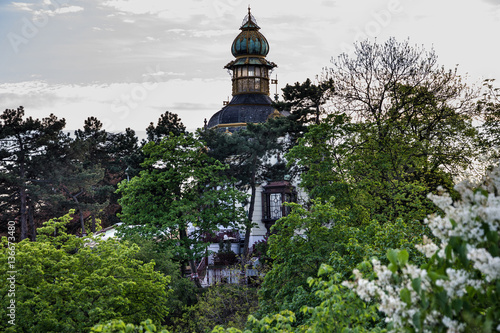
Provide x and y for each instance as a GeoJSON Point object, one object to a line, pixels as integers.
{"type": "Point", "coordinates": [224, 304]}
{"type": "Point", "coordinates": [458, 288]}
{"type": "Point", "coordinates": [118, 326]}
{"type": "Point", "coordinates": [68, 284]}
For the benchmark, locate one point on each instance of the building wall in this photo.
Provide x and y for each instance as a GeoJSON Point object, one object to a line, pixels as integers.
{"type": "Point", "coordinates": [259, 232]}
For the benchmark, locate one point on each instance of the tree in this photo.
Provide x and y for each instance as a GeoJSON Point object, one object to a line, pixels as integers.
{"type": "Point", "coordinates": [183, 294]}
{"type": "Point", "coordinates": [168, 123]}
{"type": "Point", "coordinates": [452, 286]}
{"type": "Point", "coordinates": [118, 326]}
{"type": "Point", "coordinates": [116, 154]}
{"type": "Point", "coordinates": [306, 103]}
{"type": "Point", "coordinates": [225, 304]}
{"type": "Point", "coordinates": [398, 90]}
{"type": "Point", "coordinates": [401, 126]}
{"type": "Point", "coordinates": [24, 143]}
{"type": "Point", "coordinates": [309, 237]}
{"type": "Point", "coordinates": [249, 154]}
{"type": "Point", "coordinates": [64, 283]}
{"type": "Point", "coordinates": [490, 111]}
{"type": "Point", "coordinates": [181, 195]}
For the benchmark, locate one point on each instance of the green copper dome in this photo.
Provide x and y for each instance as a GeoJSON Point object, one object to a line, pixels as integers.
{"type": "Point", "coordinates": [250, 42]}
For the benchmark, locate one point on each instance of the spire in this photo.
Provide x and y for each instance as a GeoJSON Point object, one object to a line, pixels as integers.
{"type": "Point", "coordinates": [249, 22]}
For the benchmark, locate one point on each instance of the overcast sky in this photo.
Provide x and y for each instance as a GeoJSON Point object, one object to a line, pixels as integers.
{"type": "Point", "coordinates": [128, 61]}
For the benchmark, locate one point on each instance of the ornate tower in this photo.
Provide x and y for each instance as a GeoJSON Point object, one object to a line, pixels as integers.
{"type": "Point", "coordinates": [250, 76]}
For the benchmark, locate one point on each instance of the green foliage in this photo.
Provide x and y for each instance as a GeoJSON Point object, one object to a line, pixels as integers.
{"type": "Point", "coordinates": [30, 151]}
{"type": "Point", "coordinates": [45, 172]}
{"type": "Point", "coordinates": [306, 103]}
{"type": "Point", "coordinates": [168, 124]}
{"type": "Point", "coordinates": [118, 326]}
{"type": "Point", "coordinates": [457, 287]}
{"type": "Point", "coordinates": [68, 284]}
{"type": "Point", "coordinates": [116, 154]}
{"type": "Point", "coordinates": [281, 322]}
{"type": "Point", "coordinates": [401, 128]}
{"type": "Point", "coordinates": [183, 293]}
{"type": "Point", "coordinates": [181, 186]}
{"type": "Point", "coordinates": [340, 310]}
{"type": "Point", "coordinates": [224, 305]}
{"type": "Point", "coordinates": [247, 154]}
{"type": "Point", "coordinates": [489, 106]}
{"type": "Point", "coordinates": [307, 238]}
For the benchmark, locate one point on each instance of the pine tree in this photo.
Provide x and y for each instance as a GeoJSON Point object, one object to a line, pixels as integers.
{"type": "Point", "coordinates": [24, 141]}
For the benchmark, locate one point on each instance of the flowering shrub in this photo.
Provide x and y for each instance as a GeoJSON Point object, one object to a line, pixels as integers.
{"type": "Point", "coordinates": [458, 288]}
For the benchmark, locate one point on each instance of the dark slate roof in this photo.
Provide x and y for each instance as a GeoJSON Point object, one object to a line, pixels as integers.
{"type": "Point", "coordinates": [245, 108]}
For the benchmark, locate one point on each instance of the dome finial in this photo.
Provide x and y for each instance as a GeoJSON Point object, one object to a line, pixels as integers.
{"type": "Point", "coordinates": [249, 21]}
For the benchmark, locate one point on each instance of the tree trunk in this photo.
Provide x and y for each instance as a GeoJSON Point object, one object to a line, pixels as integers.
{"type": "Point", "coordinates": [75, 197]}
{"type": "Point", "coordinates": [194, 270]}
{"type": "Point", "coordinates": [183, 235]}
{"type": "Point", "coordinates": [22, 211]}
{"type": "Point", "coordinates": [82, 222]}
{"type": "Point", "coordinates": [183, 269]}
{"type": "Point", "coordinates": [250, 213]}
{"type": "Point", "coordinates": [318, 111]}
{"type": "Point", "coordinates": [31, 220]}
{"type": "Point", "coordinates": [92, 228]}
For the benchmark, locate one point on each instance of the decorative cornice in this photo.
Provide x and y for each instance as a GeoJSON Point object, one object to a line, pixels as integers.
{"type": "Point", "coordinates": [230, 125]}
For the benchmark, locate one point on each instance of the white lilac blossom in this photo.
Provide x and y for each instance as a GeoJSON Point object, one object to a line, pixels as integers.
{"type": "Point", "coordinates": [485, 263]}
{"type": "Point", "coordinates": [428, 248]}
{"type": "Point", "coordinates": [456, 283]}
{"type": "Point", "coordinates": [453, 325]}
{"type": "Point", "coordinates": [468, 220]}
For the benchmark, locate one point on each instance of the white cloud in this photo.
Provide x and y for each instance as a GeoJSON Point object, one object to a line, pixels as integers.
{"type": "Point", "coordinates": [181, 10]}
{"type": "Point", "coordinates": [69, 9]}
{"type": "Point", "coordinates": [119, 105]}
{"type": "Point", "coordinates": [57, 11]}
{"type": "Point", "coordinates": [22, 6]}
{"type": "Point", "coordinates": [203, 33]}
{"type": "Point", "coordinates": [192, 38]}
{"type": "Point", "coordinates": [163, 74]}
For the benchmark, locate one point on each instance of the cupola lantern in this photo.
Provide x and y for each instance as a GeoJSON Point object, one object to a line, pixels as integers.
{"type": "Point", "coordinates": [250, 71]}
{"type": "Point", "coordinates": [250, 68]}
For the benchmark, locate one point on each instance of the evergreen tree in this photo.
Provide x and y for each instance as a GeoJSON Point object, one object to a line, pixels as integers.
{"type": "Point", "coordinates": [167, 123]}
{"type": "Point", "coordinates": [306, 103]}
{"type": "Point", "coordinates": [24, 143]}
{"type": "Point", "coordinates": [114, 153]}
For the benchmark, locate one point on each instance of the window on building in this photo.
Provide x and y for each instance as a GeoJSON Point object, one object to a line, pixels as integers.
{"type": "Point", "coordinates": [275, 204]}
{"type": "Point", "coordinates": [273, 197]}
